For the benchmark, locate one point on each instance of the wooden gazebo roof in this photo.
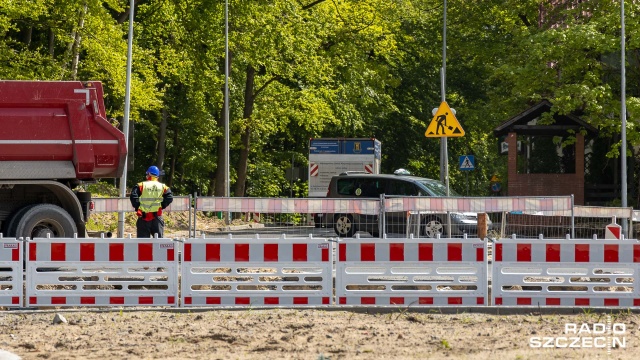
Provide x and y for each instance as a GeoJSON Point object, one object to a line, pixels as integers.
{"type": "Point", "coordinates": [519, 123]}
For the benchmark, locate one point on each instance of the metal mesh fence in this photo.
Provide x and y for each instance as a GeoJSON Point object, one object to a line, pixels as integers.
{"type": "Point", "coordinates": [395, 217]}
{"type": "Point", "coordinates": [296, 217]}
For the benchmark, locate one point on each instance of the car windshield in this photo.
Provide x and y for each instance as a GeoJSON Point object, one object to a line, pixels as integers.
{"type": "Point", "coordinates": [437, 188]}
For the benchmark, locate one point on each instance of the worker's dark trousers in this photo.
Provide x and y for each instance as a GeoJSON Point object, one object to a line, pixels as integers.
{"type": "Point", "coordinates": [149, 228]}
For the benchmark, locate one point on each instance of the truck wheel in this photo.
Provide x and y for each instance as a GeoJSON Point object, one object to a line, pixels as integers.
{"type": "Point", "coordinates": [43, 219]}
{"type": "Point", "coordinates": [344, 226]}
{"type": "Point", "coordinates": [12, 224]}
{"type": "Point", "coordinates": [431, 227]}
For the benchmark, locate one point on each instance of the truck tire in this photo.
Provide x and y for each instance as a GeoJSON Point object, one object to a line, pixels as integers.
{"type": "Point", "coordinates": [344, 226]}
{"type": "Point", "coordinates": [12, 224]}
{"type": "Point", "coordinates": [42, 219]}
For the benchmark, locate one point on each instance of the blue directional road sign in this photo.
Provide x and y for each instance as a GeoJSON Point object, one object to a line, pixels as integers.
{"type": "Point", "coordinates": [467, 162]}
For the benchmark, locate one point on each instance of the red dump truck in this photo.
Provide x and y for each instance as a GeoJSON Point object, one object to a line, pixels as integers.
{"type": "Point", "coordinates": [54, 137]}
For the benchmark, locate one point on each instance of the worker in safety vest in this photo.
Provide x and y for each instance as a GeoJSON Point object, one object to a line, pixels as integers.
{"type": "Point", "coordinates": [149, 198]}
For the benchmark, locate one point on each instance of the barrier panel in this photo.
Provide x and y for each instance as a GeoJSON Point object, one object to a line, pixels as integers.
{"type": "Point", "coordinates": [106, 205]}
{"type": "Point", "coordinates": [256, 272]}
{"type": "Point", "coordinates": [103, 272]}
{"type": "Point", "coordinates": [589, 273]}
{"type": "Point", "coordinates": [11, 289]}
{"type": "Point", "coordinates": [412, 272]}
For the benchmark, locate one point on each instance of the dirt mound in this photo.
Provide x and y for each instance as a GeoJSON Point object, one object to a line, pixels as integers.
{"type": "Point", "coordinates": [176, 223]}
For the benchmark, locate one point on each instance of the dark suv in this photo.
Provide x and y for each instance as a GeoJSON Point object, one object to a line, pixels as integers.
{"type": "Point", "coordinates": [358, 185]}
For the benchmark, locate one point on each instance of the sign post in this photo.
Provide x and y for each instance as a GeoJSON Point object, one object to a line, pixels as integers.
{"type": "Point", "coordinates": [467, 163]}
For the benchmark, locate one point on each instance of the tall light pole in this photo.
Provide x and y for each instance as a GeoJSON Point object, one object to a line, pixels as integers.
{"type": "Point", "coordinates": [227, 191]}
{"type": "Point", "coordinates": [623, 109]}
{"type": "Point", "coordinates": [444, 156]}
{"type": "Point", "coordinates": [125, 126]}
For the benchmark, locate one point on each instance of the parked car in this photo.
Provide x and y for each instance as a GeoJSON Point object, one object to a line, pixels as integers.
{"type": "Point", "coordinates": [360, 185]}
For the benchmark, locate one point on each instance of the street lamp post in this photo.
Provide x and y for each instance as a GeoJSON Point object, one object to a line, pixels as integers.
{"type": "Point", "coordinates": [444, 156]}
{"type": "Point", "coordinates": [227, 191]}
{"type": "Point", "coordinates": [623, 109]}
{"type": "Point", "coordinates": [125, 126]}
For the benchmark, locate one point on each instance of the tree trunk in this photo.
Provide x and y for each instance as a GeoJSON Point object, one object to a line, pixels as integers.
{"type": "Point", "coordinates": [125, 15]}
{"type": "Point", "coordinates": [220, 181]}
{"type": "Point", "coordinates": [75, 52]}
{"type": "Point", "coordinates": [27, 36]}
{"type": "Point", "coordinates": [212, 183]}
{"type": "Point", "coordinates": [52, 40]}
{"type": "Point", "coordinates": [162, 138]}
{"type": "Point", "coordinates": [220, 185]}
{"type": "Point", "coordinates": [172, 171]}
{"type": "Point", "coordinates": [246, 135]}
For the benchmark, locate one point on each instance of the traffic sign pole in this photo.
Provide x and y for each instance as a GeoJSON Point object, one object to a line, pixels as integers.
{"type": "Point", "coordinates": [467, 183]}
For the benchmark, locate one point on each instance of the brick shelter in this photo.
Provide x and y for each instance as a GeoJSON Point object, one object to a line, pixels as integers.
{"type": "Point", "coordinates": [528, 125]}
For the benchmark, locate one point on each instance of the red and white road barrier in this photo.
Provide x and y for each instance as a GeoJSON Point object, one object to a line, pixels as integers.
{"type": "Point", "coordinates": [613, 232]}
{"type": "Point", "coordinates": [11, 289]}
{"type": "Point", "coordinates": [102, 272]}
{"type": "Point", "coordinates": [487, 204]}
{"type": "Point", "coordinates": [565, 273]}
{"type": "Point", "coordinates": [103, 205]}
{"type": "Point", "coordinates": [416, 272]}
{"type": "Point", "coordinates": [284, 206]}
{"type": "Point", "coordinates": [256, 272]}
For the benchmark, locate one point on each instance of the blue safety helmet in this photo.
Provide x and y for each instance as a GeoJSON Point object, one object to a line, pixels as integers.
{"type": "Point", "coordinates": [153, 170]}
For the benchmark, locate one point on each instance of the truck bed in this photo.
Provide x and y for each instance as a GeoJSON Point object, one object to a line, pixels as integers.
{"type": "Point", "coordinates": [57, 130]}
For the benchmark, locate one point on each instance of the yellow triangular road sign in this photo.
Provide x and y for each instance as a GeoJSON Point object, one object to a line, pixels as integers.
{"type": "Point", "coordinates": [444, 123]}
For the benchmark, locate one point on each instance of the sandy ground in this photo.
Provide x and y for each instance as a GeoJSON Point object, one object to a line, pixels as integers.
{"type": "Point", "coordinates": [310, 334]}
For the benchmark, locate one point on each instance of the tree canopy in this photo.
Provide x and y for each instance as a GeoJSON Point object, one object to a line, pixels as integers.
{"type": "Point", "coordinates": [303, 69]}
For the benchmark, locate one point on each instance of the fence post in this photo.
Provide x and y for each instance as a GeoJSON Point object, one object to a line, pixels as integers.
{"type": "Point", "coordinates": [482, 225]}
{"type": "Point", "coordinates": [628, 224]}
{"type": "Point", "coordinates": [381, 216]}
{"type": "Point", "coordinates": [190, 203]}
{"type": "Point", "coordinates": [195, 213]}
{"type": "Point", "coordinates": [573, 219]}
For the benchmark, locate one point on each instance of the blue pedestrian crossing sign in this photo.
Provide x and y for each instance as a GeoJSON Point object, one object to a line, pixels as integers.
{"type": "Point", "coordinates": [467, 162]}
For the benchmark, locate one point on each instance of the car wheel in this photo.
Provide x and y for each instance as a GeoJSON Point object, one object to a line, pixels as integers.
{"type": "Point", "coordinates": [344, 226]}
{"type": "Point", "coordinates": [431, 227]}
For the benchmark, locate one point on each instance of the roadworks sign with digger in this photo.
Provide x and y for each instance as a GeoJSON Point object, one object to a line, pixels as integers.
{"type": "Point", "coordinates": [444, 123]}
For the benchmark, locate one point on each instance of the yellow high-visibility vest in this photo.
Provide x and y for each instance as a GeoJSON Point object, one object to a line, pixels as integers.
{"type": "Point", "coordinates": [151, 197]}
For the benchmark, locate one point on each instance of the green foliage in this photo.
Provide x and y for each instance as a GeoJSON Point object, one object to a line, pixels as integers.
{"type": "Point", "coordinates": [353, 68]}
{"type": "Point", "coordinates": [103, 189]}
